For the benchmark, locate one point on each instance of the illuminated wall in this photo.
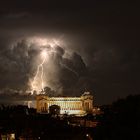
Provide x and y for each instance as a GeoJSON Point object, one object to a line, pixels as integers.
{"type": "Point", "coordinates": [70, 105]}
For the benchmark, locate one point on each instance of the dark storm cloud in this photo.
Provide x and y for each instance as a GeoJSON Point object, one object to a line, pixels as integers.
{"type": "Point", "coordinates": [18, 65]}
{"type": "Point", "coordinates": [72, 70]}
{"type": "Point", "coordinates": [103, 36]}
{"type": "Point", "coordinates": [15, 66]}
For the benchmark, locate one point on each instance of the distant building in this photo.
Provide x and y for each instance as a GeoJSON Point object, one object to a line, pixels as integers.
{"type": "Point", "coordinates": [68, 105]}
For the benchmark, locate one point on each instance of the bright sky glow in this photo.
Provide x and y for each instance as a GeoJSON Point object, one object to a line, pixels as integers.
{"type": "Point", "coordinates": [42, 41]}
{"type": "Point", "coordinates": [46, 46]}
{"type": "Point", "coordinates": [43, 53]}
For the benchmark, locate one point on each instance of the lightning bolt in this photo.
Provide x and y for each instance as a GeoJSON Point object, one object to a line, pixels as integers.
{"type": "Point", "coordinates": [39, 68]}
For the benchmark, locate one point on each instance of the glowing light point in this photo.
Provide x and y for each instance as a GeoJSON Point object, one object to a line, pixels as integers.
{"type": "Point", "coordinates": [44, 53]}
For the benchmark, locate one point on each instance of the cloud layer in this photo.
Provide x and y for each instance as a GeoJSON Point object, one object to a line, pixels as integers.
{"type": "Point", "coordinates": [100, 53]}
{"type": "Point", "coordinates": [63, 70]}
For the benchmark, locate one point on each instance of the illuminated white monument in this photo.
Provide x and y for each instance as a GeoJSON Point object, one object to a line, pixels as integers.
{"type": "Point", "coordinates": [70, 105]}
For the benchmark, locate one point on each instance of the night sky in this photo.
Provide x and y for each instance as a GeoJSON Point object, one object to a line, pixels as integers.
{"type": "Point", "coordinates": [99, 49]}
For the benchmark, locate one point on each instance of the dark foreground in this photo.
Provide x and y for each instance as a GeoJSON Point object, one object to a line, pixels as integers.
{"type": "Point", "coordinates": [120, 121]}
{"type": "Point", "coordinates": [26, 124]}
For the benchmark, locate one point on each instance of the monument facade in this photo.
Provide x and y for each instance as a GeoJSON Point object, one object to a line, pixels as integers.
{"type": "Point", "coordinates": [68, 105]}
